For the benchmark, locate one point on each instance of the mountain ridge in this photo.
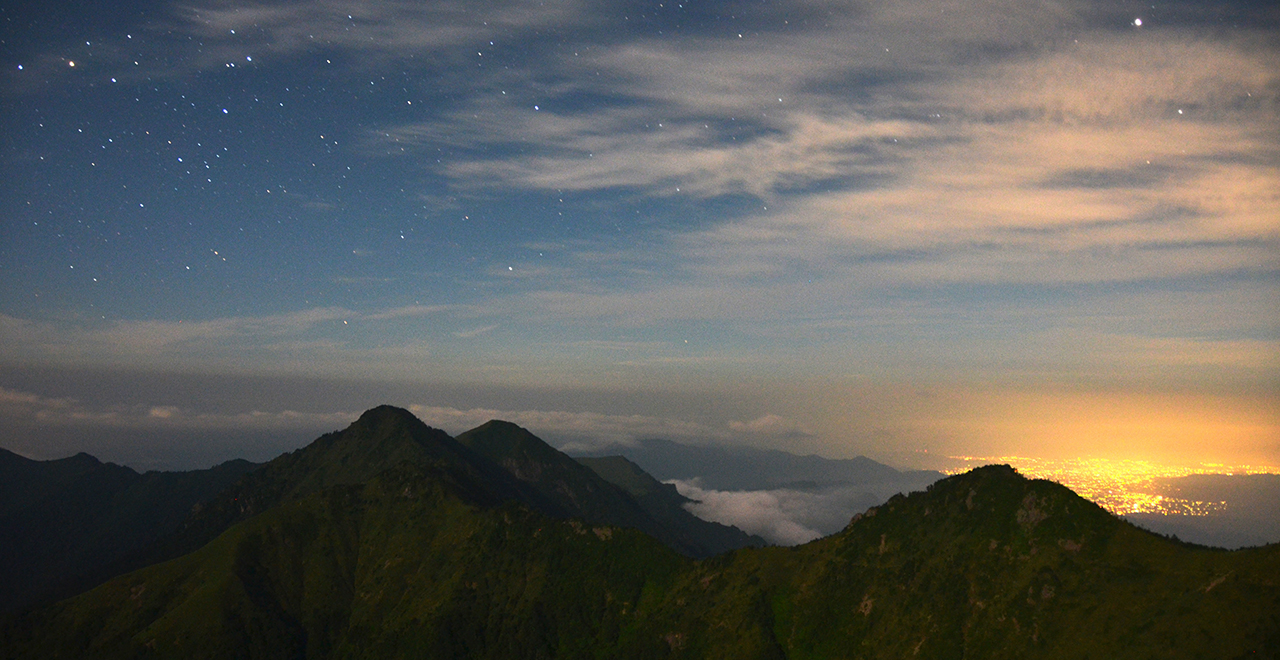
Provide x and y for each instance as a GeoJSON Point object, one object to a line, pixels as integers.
{"type": "Point", "coordinates": [583, 493]}
{"type": "Point", "coordinates": [426, 558]}
{"type": "Point", "coordinates": [66, 520]}
{"type": "Point", "coordinates": [381, 438]}
{"type": "Point", "coordinates": [984, 564]}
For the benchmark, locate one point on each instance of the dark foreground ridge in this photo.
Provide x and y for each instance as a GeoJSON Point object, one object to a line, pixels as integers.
{"type": "Point", "coordinates": [430, 557]}
{"type": "Point", "coordinates": [63, 522]}
{"type": "Point", "coordinates": [76, 522]}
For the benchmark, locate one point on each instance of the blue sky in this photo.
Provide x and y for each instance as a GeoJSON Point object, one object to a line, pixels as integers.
{"type": "Point", "coordinates": [805, 222]}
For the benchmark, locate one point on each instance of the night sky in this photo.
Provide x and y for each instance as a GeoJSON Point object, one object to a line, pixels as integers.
{"type": "Point", "coordinates": [837, 227]}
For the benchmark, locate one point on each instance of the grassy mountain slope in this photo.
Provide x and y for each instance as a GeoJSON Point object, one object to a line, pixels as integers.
{"type": "Point", "coordinates": [628, 476]}
{"type": "Point", "coordinates": [666, 505]}
{"type": "Point", "coordinates": [575, 488]}
{"type": "Point", "coordinates": [401, 566]}
{"type": "Point", "coordinates": [63, 521]}
{"type": "Point", "coordinates": [382, 437]}
{"type": "Point", "coordinates": [581, 492]}
{"type": "Point", "coordinates": [986, 564]}
{"type": "Point", "coordinates": [100, 526]}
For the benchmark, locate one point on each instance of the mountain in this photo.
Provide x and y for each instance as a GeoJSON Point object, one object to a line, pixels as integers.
{"type": "Point", "coordinates": [63, 521]}
{"type": "Point", "coordinates": [98, 526]}
{"type": "Point", "coordinates": [583, 493]}
{"type": "Point", "coordinates": [667, 506]}
{"type": "Point", "coordinates": [382, 438]}
{"type": "Point", "coordinates": [651, 493]}
{"type": "Point", "coordinates": [24, 482]}
{"type": "Point", "coordinates": [403, 565]}
{"type": "Point", "coordinates": [745, 468]}
{"type": "Point", "coordinates": [986, 564]}
{"type": "Point", "coordinates": [785, 498]}
{"type": "Point", "coordinates": [421, 560]}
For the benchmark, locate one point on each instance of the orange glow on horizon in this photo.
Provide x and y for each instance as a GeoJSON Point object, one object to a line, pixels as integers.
{"type": "Point", "coordinates": [1163, 428]}
{"type": "Point", "coordinates": [1119, 486]}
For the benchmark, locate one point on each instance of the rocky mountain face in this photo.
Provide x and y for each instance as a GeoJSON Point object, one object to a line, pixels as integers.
{"type": "Point", "coordinates": [438, 552]}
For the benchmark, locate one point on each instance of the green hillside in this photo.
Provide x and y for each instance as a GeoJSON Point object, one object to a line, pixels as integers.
{"type": "Point", "coordinates": [381, 438]}
{"type": "Point", "coordinates": [418, 561]}
{"type": "Point", "coordinates": [986, 565]}
{"type": "Point", "coordinates": [76, 522]}
{"type": "Point", "coordinates": [576, 488]}
{"type": "Point", "coordinates": [666, 505]}
{"type": "Point", "coordinates": [397, 567]}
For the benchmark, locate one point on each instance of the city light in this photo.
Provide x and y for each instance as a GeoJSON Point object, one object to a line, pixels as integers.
{"type": "Point", "coordinates": [1120, 486]}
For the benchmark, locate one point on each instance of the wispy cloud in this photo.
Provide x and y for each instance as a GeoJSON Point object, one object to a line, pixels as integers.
{"type": "Point", "coordinates": [410, 311]}
{"type": "Point", "coordinates": [324, 337]}
{"type": "Point", "coordinates": [475, 332]}
{"type": "Point", "coordinates": [1000, 184]}
{"type": "Point", "coordinates": [901, 145]}
{"type": "Point", "coordinates": [571, 431]}
{"type": "Point", "coordinates": [18, 407]}
{"type": "Point", "coordinates": [633, 149]}
{"type": "Point", "coordinates": [149, 337]}
{"type": "Point", "coordinates": [769, 425]}
{"type": "Point", "coordinates": [396, 28]}
{"type": "Point", "coordinates": [250, 33]}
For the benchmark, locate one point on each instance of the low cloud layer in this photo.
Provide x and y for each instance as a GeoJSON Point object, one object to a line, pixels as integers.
{"type": "Point", "coordinates": [574, 432]}
{"type": "Point", "coordinates": [781, 516]}
{"type": "Point", "coordinates": [25, 408]}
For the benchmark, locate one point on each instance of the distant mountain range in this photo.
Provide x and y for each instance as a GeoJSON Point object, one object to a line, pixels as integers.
{"type": "Point", "coordinates": [393, 539]}
{"type": "Point", "coordinates": [782, 496]}
{"type": "Point", "coordinates": [745, 468]}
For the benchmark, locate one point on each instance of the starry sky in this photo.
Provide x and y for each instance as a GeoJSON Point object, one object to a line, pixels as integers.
{"type": "Point", "coordinates": [840, 227]}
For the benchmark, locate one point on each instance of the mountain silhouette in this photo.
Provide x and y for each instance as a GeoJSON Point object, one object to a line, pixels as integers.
{"type": "Point", "coordinates": [667, 506]}
{"type": "Point", "coordinates": [578, 489]}
{"type": "Point", "coordinates": [439, 555]}
{"type": "Point", "coordinates": [64, 521]}
{"type": "Point", "coordinates": [76, 522]}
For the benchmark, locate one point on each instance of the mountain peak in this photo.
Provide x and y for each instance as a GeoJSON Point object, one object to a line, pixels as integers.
{"type": "Point", "coordinates": [583, 493]}
{"type": "Point", "coordinates": [501, 424]}
{"type": "Point", "coordinates": [386, 414]}
{"type": "Point", "coordinates": [500, 440]}
{"type": "Point", "coordinates": [995, 470]}
{"type": "Point", "coordinates": [992, 502]}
